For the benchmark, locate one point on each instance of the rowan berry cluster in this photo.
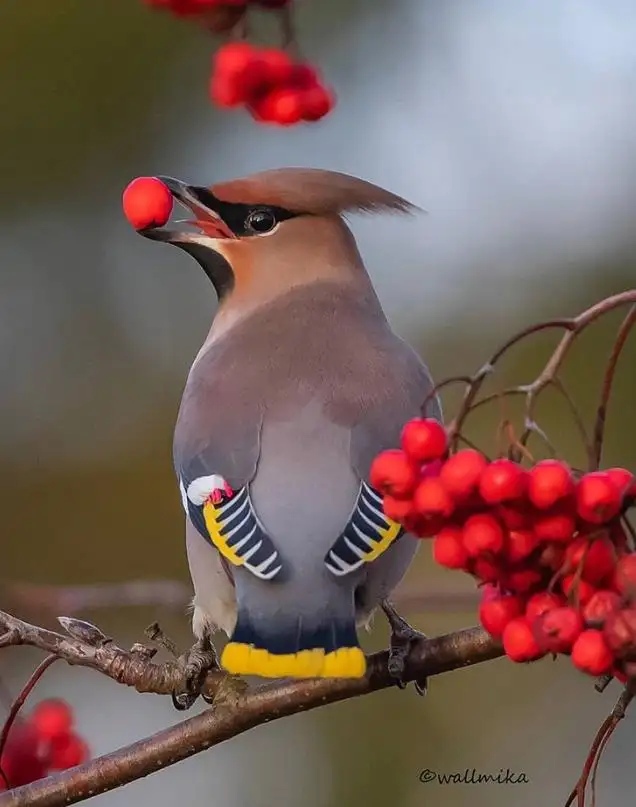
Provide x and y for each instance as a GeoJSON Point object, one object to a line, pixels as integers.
{"type": "Point", "coordinates": [272, 87]}
{"type": "Point", "coordinates": [40, 744]}
{"type": "Point", "coordinates": [547, 544]}
{"type": "Point", "coordinates": [267, 82]}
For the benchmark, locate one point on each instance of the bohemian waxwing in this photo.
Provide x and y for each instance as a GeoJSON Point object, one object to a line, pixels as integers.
{"type": "Point", "coordinates": [298, 385]}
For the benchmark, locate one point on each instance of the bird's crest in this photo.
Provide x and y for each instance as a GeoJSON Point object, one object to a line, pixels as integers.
{"type": "Point", "coordinates": [312, 190]}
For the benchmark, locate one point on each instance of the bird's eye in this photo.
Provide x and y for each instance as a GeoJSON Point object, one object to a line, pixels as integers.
{"type": "Point", "coordinates": [260, 221]}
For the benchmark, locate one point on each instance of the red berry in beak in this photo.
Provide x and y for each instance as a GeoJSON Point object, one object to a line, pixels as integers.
{"type": "Point", "coordinates": [147, 203]}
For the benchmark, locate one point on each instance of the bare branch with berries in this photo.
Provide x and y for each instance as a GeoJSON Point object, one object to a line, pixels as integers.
{"type": "Point", "coordinates": [551, 549]}
{"type": "Point", "coordinates": [235, 712]}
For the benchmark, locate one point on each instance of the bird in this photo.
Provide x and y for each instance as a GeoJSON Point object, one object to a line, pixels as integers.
{"type": "Point", "coordinates": [298, 385]}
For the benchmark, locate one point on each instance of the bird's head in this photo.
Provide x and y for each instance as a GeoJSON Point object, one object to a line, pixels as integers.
{"type": "Point", "coordinates": [262, 235]}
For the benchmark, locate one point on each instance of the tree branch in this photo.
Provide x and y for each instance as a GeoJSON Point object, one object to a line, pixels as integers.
{"type": "Point", "coordinates": [230, 715]}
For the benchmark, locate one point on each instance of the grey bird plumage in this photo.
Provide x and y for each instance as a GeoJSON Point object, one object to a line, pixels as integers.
{"type": "Point", "coordinates": [299, 385]}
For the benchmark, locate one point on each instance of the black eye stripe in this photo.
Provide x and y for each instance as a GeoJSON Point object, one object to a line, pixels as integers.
{"type": "Point", "coordinates": [235, 214]}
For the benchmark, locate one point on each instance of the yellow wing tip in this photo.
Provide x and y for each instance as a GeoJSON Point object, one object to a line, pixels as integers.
{"type": "Point", "coordinates": [243, 659]}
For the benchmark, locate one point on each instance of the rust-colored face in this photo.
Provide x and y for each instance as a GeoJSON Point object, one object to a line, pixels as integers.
{"type": "Point", "coordinates": [219, 231]}
{"type": "Point", "coordinates": [261, 235]}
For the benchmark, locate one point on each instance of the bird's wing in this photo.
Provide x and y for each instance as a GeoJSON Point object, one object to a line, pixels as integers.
{"type": "Point", "coordinates": [216, 451]}
{"type": "Point", "coordinates": [397, 385]}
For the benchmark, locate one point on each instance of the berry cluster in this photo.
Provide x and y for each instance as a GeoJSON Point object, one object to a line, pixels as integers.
{"type": "Point", "coordinates": [266, 81]}
{"type": "Point", "coordinates": [272, 87]}
{"type": "Point", "coordinates": [547, 545]}
{"type": "Point", "coordinates": [44, 742]}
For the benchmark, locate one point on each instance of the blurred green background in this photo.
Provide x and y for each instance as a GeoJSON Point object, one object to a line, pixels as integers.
{"type": "Point", "coordinates": [513, 126]}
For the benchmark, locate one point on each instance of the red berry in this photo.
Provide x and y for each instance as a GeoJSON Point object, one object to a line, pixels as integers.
{"type": "Point", "coordinates": [424, 440]}
{"type": "Point", "coordinates": [449, 550]}
{"type": "Point", "coordinates": [52, 718]}
{"type": "Point", "coordinates": [549, 482]}
{"type": "Point", "coordinates": [557, 629]}
{"type": "Point", "coordinates": [516, 516]}
{"type": "Point", "coordinates": [147, 202]}
{"type": "Point", "coordinates": [486, 569]}
{"type": "Point", "coordinates": [596, 557]}
{"type": "Point", "coordinates": [557, 525]}
{"type": "Point", "coordinates": [431, 469]}
{"type": "Point", "coordinates": [618, 536]}
{"type": "Point", "coordinates": [580, 592]}
{"type": "Point", "coordinates": [520, 544]}
{"type": "Point", "coordinates": [392, 474]}
{"type": "Point", "coordinates": [316, 102]}
{"type": "Point", "coordinates": [598, 608]}
{"type": "Point", "coordinates": [286, 106]}
{"type": "Point", "coordinates": [461, 473]}
{"type": "Point", "coordinates": [67, 752]}
{"type": "Point", "coordinates": [540, 603]}
{"type": "Point", "coordinates": [432, 499]}
{"type": "Point", "coordinates": [233, 58]}
{"type": "Point", "coordinates": [597, 499]}
{"type": "Point", "coordinates": [422, 526]}
{"type": "Point", "coordinates": [397, 509]}
{"type": "Point", "coordinates": [21, 761]}
{"type": "Point", "coordinates": [503, 481]}
{"type": "Point", "coordinates": [519, 642]}
{"type": "Point", "coordinates": [624, 578]}
{"type": "Point", "coordinates": [495, 614]}
{"type": "Point", "coordinates": [483, 534]}
{"type": "Point", "coordinates": [620, 631]}
{"type": "Point", "coordinates": [591, 653]}
{"type": "Point", "coordinates": [304, 77]}
{"type": "Point", "coordinates": [276, 66]}
{"type": "Point", "coordinates": [622, 479]}
{"type": "Point", "coordinates": [523, 581]}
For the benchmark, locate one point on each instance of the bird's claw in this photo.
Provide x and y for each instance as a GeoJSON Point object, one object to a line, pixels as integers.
{"type": "Point", "coordinates": [198, 662]}
{"type": "Point", "coordinates": [402, 637]}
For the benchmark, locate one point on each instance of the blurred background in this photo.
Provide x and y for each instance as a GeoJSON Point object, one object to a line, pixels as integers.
{"type": "Point", "coordinates": [514, 126]}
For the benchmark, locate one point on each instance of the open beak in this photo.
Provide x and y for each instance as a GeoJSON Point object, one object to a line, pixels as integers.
{"type": "Point", "coordinates": [206, 221]}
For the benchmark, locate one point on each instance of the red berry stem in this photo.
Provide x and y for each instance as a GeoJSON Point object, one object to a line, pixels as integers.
{"type": "Point", "coordinates": [19, 701]}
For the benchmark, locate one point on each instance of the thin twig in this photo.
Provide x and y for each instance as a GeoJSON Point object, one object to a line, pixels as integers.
{"type": "Point", "coordinates": [18, 703]}
{"type": "Point", "coordinates": [606, 389]}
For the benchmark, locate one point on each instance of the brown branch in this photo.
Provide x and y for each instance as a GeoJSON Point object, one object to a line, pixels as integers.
{"type": "Point", "coordinates": [231, 716]}
{"type": "Point", "coordinates": [131, 667]}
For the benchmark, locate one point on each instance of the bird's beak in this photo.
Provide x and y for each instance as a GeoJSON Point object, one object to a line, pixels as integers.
{"type": "Point", "coordinates": [206, 222]}
{"type": "Point", "coordinates": [204, 242]}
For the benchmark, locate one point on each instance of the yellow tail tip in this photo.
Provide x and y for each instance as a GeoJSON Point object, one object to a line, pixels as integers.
{"type": "Point", "coordinates": [243, 659]}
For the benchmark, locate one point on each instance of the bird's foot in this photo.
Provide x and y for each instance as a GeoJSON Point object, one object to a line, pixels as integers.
{"type": "Point", "coordinates": [402, 636]}
{"type": "Point", "coordinates": [197, 663]}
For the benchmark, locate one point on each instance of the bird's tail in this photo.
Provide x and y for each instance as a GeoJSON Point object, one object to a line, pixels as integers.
{"type": "Point", "coordinates": [294, 648]}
